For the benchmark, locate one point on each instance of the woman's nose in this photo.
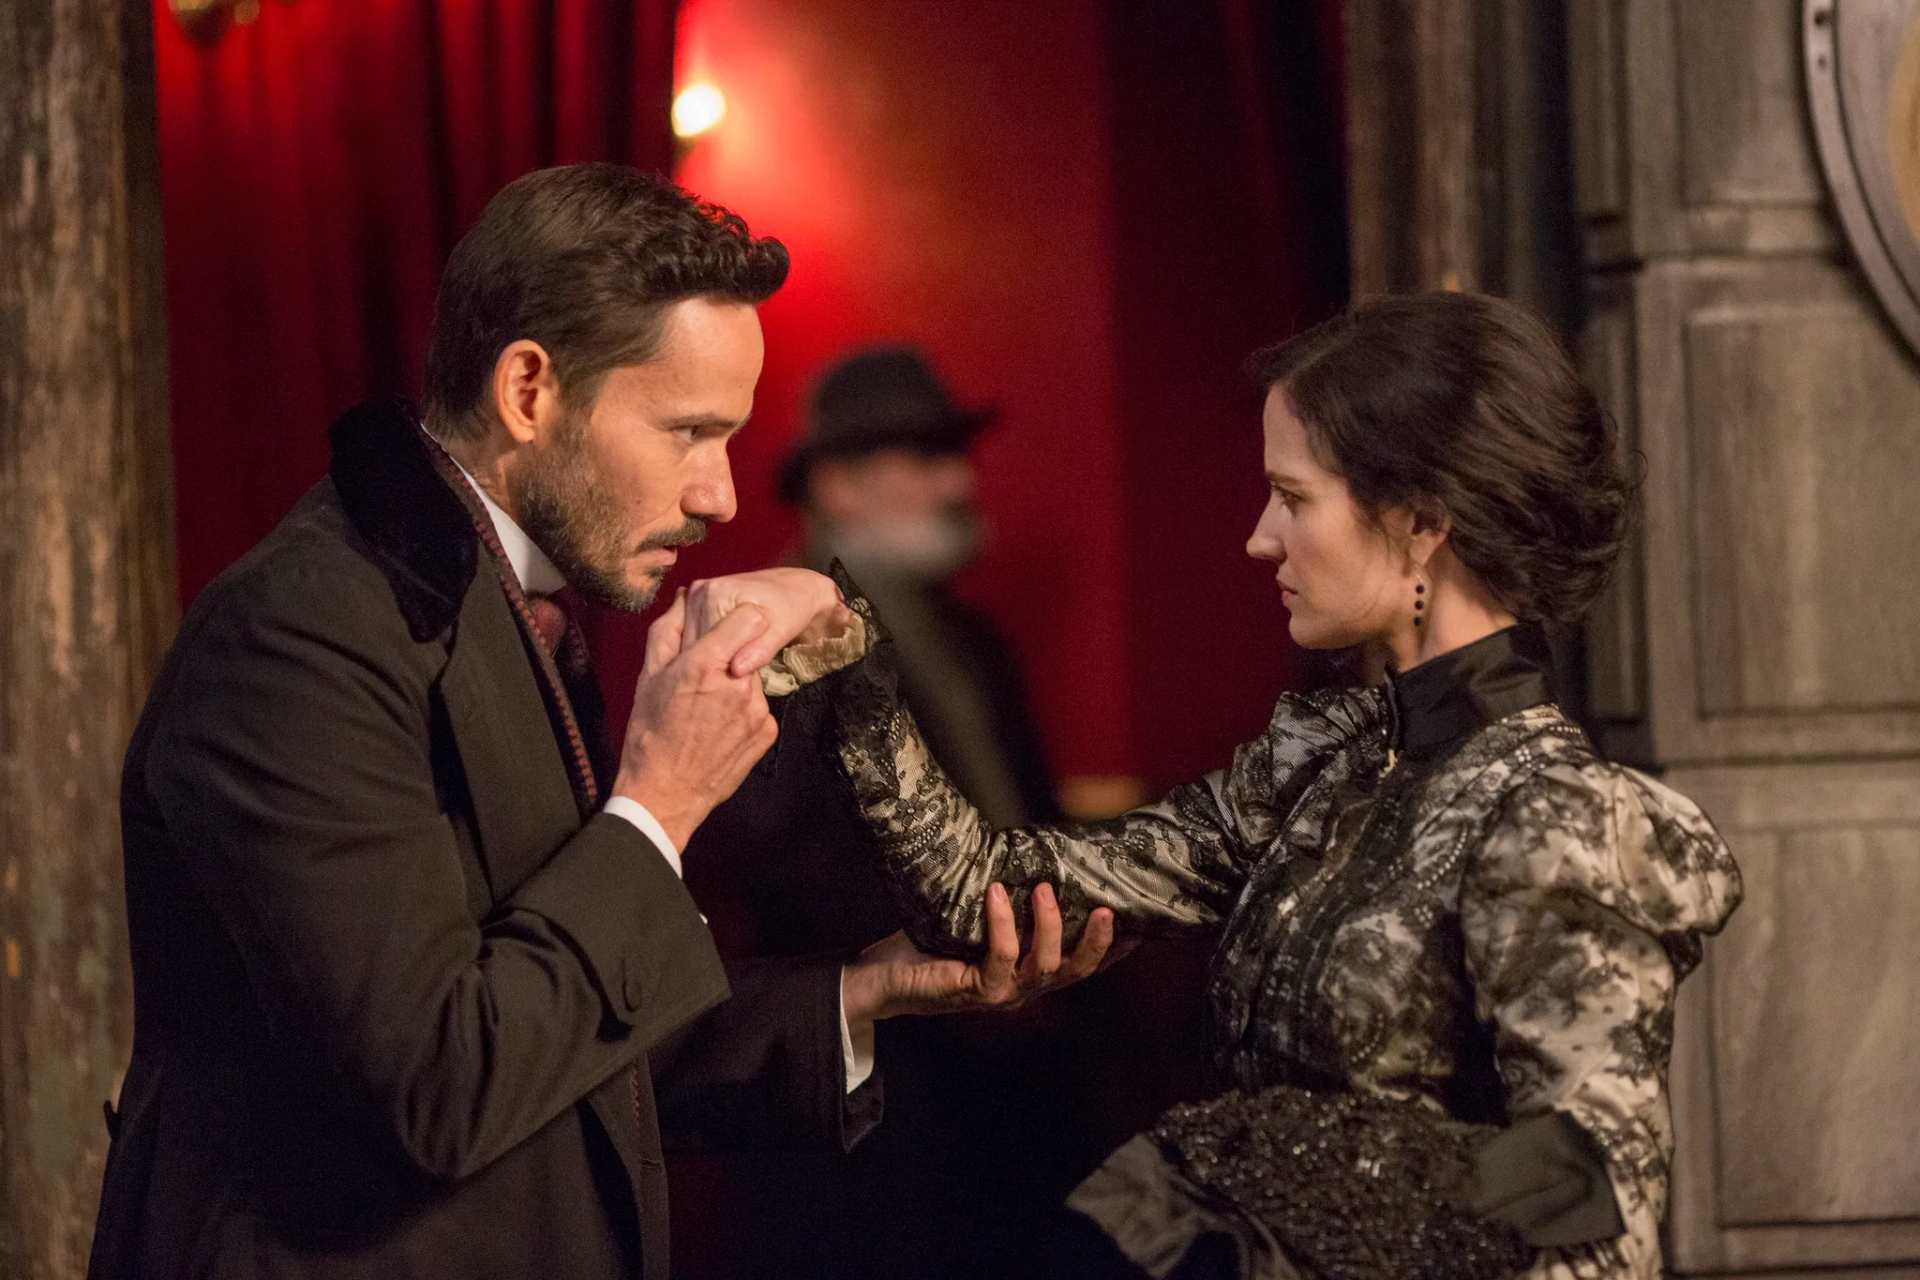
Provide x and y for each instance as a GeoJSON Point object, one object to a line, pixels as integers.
{"type": "Point", "coordinates": [1263, 545]}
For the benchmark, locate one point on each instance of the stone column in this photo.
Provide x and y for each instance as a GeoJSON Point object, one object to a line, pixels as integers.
{"type": "Point", "coordinates": [1764, 650]}
{"type": "Point", "coordinates": [86, 584]}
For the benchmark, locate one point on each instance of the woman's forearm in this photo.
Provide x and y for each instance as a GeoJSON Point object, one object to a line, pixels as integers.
{"type": "Point", "coordinates": [1155, 867]}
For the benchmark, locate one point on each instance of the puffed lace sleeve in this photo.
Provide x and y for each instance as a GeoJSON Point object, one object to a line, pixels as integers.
{"type": "Point", "coordinates": [1582, 911]}
{"type": "Point", "coordinates": [1164, 867]}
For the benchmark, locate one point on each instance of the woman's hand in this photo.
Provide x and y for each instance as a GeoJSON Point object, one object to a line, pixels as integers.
{"type": "Point", "coordinates": [801, 606]}
{"type": "Point", "coordinates": [894, 977]}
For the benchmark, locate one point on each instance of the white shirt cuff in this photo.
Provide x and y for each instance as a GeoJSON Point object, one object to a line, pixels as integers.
{"type": "Point", "coordinates": [636, 813]}
{"type": "Point", "coordinates": [858, 1057]}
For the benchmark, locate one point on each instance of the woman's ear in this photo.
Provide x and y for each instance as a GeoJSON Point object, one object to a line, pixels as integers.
{"type": "Point", "coordinates": [1429, 526]}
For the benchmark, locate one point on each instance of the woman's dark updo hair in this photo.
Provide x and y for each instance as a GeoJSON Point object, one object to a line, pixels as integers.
{"type": "Point", "coordinates": [1468, 402]}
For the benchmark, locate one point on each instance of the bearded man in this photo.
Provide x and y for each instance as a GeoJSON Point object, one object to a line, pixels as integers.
{"type": "Point", "coordinates": [417, 985]}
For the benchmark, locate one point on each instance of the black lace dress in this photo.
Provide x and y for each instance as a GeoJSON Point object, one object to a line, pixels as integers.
{"type": "Point", "coordinates": [1438, 911]}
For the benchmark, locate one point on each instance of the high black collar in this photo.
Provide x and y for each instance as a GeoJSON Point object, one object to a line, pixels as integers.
{"type": "Point", "coordinates": [415, 527]}
{"type": "Point", "coordinates": [1434, 705]}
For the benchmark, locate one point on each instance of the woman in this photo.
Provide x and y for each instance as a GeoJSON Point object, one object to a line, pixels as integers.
{"type": "Point", "coordinates": [1449, 933]}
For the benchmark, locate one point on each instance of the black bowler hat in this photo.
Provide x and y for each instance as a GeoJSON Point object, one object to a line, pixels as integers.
{"type": "Point", "coordinates": [883, 398]}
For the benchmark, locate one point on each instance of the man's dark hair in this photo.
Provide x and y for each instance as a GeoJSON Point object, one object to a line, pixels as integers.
{"type": "Point", "coordinates": [584, 260]}
{"type": "Point", "coordinates": [1468, 402]}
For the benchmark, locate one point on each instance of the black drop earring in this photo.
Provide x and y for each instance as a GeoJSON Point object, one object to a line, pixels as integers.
{"type": "Point", "coordinates": [1419, 598]}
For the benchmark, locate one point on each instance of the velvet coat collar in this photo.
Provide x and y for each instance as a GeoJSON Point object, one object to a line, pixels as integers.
{"type": "Point", "coordinates": [416, 529]}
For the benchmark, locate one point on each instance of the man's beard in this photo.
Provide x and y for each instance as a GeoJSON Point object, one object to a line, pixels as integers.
{"type": "Point", "coordinates": [927, 549]}
{"type": "Point", "coordinates": [569, 513]}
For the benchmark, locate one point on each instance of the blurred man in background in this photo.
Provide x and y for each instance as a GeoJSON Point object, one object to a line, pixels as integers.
{"type": "Point", "coordinates": [886, 486]}
{"type": "Point", "coordinates": [988, 1121]}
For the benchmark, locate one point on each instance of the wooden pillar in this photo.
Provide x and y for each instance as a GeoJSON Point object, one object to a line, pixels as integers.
{"type": "Point", "coordinates": [1460, 172]}
{"type": "Point", "coordinates": [86, 585]}
{"type": "Point", "coordinates": [1458, 132]}
{"type": "Point", "coordinates": [1412, 198]}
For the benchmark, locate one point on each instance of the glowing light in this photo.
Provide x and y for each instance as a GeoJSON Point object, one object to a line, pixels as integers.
{"type": "Point", "coordinates": [696, 109]}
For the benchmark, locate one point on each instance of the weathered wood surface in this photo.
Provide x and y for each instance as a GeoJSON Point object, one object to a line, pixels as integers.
{"type": "Point", "coordinates": [1761, 649]}
{"type": "Point", "coordinates": [1413, 199]}
{"type": "Point", "coordinates": [1795, 1100]}
{"type": "Point", "coordinates": [86, 585]}
{"type": "Point", "coordinates": [1458, 133]}
{"type": "Point", "coordinates": [1690, 135]}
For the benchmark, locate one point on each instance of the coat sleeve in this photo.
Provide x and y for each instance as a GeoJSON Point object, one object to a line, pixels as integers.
{"type": "Point", "coordinates": [1174, 865]}
{"type": "Point", "coordinates": [765, 1069]}
{"type": "Point", "coordinates": [290, 766]}
{"type": "Point", "coordinates": [1581, 913]}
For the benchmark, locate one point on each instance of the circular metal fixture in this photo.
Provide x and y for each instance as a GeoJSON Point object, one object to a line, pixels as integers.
{"type": "Point", "coordinates": [1863, 90]}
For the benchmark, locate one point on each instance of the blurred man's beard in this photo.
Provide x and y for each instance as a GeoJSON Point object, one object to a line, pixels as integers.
{"type": "Point", "coordinates": [927, 549]}
{"type": "Point", "coordinates": [570, 514]}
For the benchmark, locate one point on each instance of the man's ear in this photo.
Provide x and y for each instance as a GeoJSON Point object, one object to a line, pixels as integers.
{"type": "Point", "coordinates": [526, 391]}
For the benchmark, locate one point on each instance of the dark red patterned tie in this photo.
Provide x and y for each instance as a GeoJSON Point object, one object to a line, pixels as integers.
{"type": "Point", "coordinates": [549, 622]}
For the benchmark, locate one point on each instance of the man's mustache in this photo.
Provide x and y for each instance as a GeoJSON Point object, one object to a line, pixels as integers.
{"type": "Point", "coordinates": [694, 530]}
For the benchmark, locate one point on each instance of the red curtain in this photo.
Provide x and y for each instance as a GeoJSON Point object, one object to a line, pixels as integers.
{"type": "Point", "coordinates": [1088, 213]}
{"type": "Point", "coordinates": [1229, 229]}
{"type": "Point", "coordinates": [317, 165]}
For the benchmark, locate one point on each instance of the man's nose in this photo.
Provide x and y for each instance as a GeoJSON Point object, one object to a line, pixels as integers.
{"type": "Point", "coordinates": [954, 481]}
{"type": "Point", "coordinates": [711, 496]}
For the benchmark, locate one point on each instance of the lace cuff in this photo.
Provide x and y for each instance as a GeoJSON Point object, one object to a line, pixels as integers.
{"type": "Point", "coordinates": [802, 664]}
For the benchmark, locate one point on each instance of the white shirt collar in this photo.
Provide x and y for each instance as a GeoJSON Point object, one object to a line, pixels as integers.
{"type": "Point", "coordinates": [537, 574]}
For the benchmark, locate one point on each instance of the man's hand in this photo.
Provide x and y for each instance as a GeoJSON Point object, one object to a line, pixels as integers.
{"type": "Point", "coordinates": [800, 605]}
{"type": "Point", "coordinates": [893, 976]}
{"type": "Point", "coordinates": [696, 728]}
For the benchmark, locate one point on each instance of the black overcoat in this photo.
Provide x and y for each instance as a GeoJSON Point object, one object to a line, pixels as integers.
{"type": "Point", "coordinates": [388, 983]}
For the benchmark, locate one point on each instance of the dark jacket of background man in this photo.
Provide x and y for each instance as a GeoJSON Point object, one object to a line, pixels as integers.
{"type": "Point", "coordinates": [347, 786]}
{"type": "Point", "coordinates": [986, 1128]}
